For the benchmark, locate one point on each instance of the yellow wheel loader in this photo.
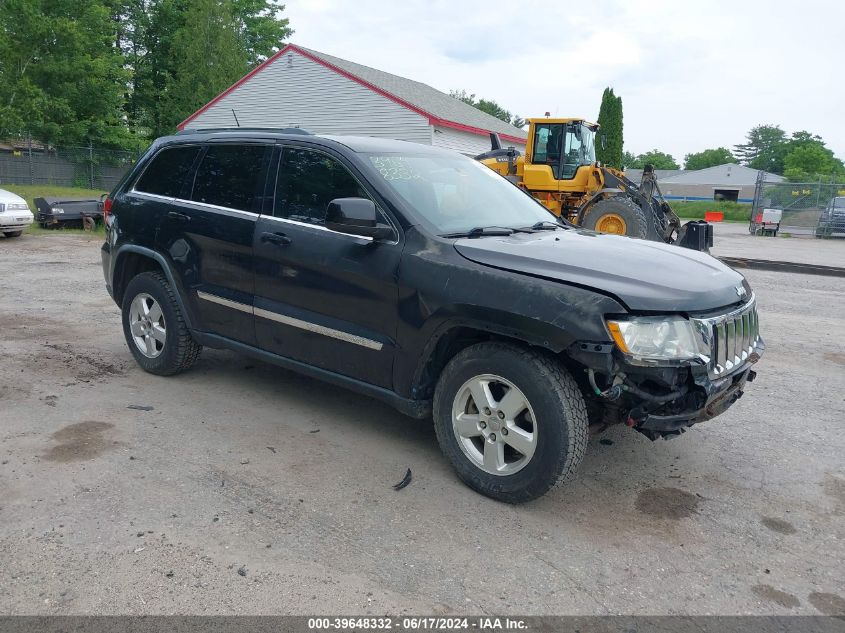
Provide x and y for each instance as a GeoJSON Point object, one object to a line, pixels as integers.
{"type": "Point", "coordinates": [559, 169]}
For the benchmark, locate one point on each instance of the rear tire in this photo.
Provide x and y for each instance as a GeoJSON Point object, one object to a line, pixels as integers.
{"type": "Point", "coordinates": [542, 433]}
{"type": "Point", "coordinates": [13, 233]}
{"type": "Point", "coordinates": [620, 213]}
{"type": "Point", "coordinates": [155, 328]}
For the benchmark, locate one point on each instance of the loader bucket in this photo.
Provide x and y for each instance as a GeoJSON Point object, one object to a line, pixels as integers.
{"type": "Point", "coordinates": [697, 235]}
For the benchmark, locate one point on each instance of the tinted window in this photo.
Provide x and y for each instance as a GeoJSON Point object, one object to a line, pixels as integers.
{"type": "Point", "coordinates": [230, 176]}
{"type": "Point", "coordinates": [167, 172]}
{"type": "Point", "coordinates": [308, 181]}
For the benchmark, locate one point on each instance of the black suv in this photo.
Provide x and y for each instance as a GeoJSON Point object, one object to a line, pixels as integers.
{"type": "Point", "coordinates": [420, 277]}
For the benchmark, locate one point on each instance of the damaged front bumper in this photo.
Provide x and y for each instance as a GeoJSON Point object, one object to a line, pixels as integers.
{"type": "Point", "coordinates": [709, 397]}
{"type": "Point", "coordinates": [663, 399]}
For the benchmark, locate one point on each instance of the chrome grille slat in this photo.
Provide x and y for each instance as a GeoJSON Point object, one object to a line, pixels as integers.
{"type": "Point", "coordinates": [733, 337]}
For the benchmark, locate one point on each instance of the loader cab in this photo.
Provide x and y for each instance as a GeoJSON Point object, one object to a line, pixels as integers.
{"type": "Point", "coordinates": [563, 145]}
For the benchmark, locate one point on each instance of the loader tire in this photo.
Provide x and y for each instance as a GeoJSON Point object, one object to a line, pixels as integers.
{"type": "Point", "coordinates": [618, 215]}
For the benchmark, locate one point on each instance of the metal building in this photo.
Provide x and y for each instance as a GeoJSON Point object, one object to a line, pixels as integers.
{"type": "Point", "coordinates": [299, 87]}
{"type": "Point", "coordinates": [723, 182]}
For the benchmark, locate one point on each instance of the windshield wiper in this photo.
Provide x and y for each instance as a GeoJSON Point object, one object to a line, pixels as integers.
{"type": "Point", "coordinates": [483, 231]}
{"type": "Point", "coordinates": [546, 225]}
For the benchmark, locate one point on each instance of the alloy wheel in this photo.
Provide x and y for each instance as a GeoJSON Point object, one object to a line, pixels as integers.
{"type": "Point", "coordinates": [494, 424]}
{"type": "Point", "coordinates": [146, 323]}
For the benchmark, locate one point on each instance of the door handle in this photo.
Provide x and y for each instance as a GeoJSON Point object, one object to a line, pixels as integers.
{"type": "Point", "coordinates": [175, 215]}
{"type": "Point", "coordinates": [279, 239]}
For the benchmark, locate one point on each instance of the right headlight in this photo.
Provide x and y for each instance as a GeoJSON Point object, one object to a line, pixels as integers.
{"type": "Point", "coordinates": [657, 338]}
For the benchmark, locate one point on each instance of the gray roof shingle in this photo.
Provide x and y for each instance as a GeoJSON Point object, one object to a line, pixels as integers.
{"type": "Point", "coordinates": [420, 95]}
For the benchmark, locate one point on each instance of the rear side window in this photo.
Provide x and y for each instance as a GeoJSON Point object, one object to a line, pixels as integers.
{"type": "Point", "coordinates": [230, 176]}
{"type": "Point", "coordinates": [168, 170]}
{"type": "Point", "coordinates": [308, 181]}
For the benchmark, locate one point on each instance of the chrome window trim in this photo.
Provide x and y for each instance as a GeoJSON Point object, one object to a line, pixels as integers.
{"type": "Point", "coordinates": [319, 227]}
{"type": "Point", "coordinates": [292, 321]}
{"type": "Point", "coordinates": [204, 205]}
{"type": "Point", "coordinates": [151, 196]}
{"type": "Point", "coordinates": [215, 207]}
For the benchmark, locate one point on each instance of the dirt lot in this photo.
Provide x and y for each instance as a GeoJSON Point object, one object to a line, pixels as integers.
{"type": "Point", "coordinates": [248, 489]}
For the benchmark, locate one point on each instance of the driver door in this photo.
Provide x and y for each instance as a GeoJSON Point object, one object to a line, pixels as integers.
{"type": "Point", "coordinates": [322, 297]}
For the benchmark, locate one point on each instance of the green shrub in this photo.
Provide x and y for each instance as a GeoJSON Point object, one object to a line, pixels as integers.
{"type": "Point", "coordinates": [694, 210]}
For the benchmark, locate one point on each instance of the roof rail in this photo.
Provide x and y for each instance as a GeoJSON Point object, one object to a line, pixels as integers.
{"type": "Point", "coordinates": [274, 130]}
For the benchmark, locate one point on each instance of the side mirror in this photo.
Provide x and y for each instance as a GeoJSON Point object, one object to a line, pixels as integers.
{"type": "Point", "coordinates": [356, 216]}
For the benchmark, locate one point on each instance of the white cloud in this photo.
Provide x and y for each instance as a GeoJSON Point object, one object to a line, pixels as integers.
{"type": "Point", "coordinates": [691, 75]}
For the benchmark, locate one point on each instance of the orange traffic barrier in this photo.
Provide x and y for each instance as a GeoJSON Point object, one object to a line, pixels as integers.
{"type": "Point", "coordinates": [714, 216]}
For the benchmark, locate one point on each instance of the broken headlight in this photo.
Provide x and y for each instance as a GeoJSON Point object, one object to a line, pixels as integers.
{"type": "Point", "coordinates": [657, 338]}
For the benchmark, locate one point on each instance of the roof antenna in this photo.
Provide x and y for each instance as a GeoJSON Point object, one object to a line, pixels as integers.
{"type": "Point", "coordinates": [236, 118]}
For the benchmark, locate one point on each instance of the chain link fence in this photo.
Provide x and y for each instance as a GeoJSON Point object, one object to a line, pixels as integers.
{"type": "Point", "coordinates": [803, 205]}
{"type": "Point", "coordinates": [32, 163]}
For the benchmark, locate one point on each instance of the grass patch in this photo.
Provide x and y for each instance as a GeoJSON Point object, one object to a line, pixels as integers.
{"type": "Point", "coordinates": [30, 192]}
{"type": "Point", "coordinates": [98, 232]}
{"type": "Point", "coordinates": [694, 210]}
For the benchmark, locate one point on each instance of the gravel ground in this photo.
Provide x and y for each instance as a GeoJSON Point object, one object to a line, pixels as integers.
{"type": "Point", "coordinates": [731, 239]}
{"type": "Point", "coordinates": [248, 489]}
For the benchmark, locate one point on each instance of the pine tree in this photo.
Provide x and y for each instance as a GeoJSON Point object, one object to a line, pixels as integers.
{"type": "Point", "coordinates": [610, 151]}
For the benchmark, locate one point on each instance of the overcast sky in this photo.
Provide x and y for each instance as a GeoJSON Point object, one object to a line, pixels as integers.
{"type": "Point", "coordinates": [692, 75]}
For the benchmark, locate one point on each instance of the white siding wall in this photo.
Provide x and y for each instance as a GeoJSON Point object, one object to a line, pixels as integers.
{"type": "Point", "coordinates": [466, 142]}
{"type": "Point", "coordinates": [294, 91]}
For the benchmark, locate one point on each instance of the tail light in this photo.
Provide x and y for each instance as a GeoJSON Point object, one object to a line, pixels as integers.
{"type": "Point", "coordinates": [106, 210]}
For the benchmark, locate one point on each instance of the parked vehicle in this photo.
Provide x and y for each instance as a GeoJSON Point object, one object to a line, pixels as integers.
{"type": "Point", "coordinates": [767, 222]}
{"type": "Point", "coordinates": [15, 215]}
{"type": "Point", "coordinates": [63, 211]}
{"type": "Point", "coordinates": [422, 278]}
{"type": "Point", "coordinates": [832, 219]}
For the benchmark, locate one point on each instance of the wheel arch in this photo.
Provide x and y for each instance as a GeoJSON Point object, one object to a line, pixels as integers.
{"type": "Point", "coordinates": [455, 335]}
{"type": "Point", "coordinates": [132, 260]}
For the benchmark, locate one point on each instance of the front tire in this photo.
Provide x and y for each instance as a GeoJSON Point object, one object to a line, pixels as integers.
{"type": "Point", "coordinates": [512, 422]}
{"type": "Point", "coordinates": [155, 328]}
{"type": "Point", "coordinates": [618, 216]}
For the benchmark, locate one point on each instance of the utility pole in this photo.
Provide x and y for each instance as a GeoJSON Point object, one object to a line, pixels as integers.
{"type": "Point", "coordinates": [91, 162]}
{"type": "Point", "coordinates": [29, 152]}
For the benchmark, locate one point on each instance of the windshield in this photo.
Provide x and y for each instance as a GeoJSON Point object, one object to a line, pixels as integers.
{"type": "Point", "coordinates": [580, 149]}
{"type": "Point", "coordinates": [456, 194]}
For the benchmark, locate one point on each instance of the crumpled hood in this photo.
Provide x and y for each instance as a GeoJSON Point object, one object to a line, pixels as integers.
{"type": "Point", "coordinates": [643, 275]}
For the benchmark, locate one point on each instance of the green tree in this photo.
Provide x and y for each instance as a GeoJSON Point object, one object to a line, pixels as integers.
{"type": "Point", "coordinates": [610, 152]}
{"type": "Point", "coordinates": [765, 148]}
{"type": "Point", "coordinates": [261, 28]}
{"type": "Point", "coordinates": [656, 158]}
{"type": "Point", "coordinates": [808, 162]}
{"type": "Point", "coordinates": [63, 76]}
{"type": "Point", "coordinates": [708, 158]}
{"type": "Point", "coordinates": [204, 45]}
{"type": "Point", "coordinates": [489, 106]}
{"type": "Point", "coordinates": [628, 160]}
{"type": "Point", "coordinates": [211, 58]}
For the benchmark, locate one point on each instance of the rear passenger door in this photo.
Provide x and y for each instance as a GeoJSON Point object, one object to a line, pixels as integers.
{"type": "Point", "coordinates": [208, 233]}
{"type": "Point", "coordinates": [321, 297]}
